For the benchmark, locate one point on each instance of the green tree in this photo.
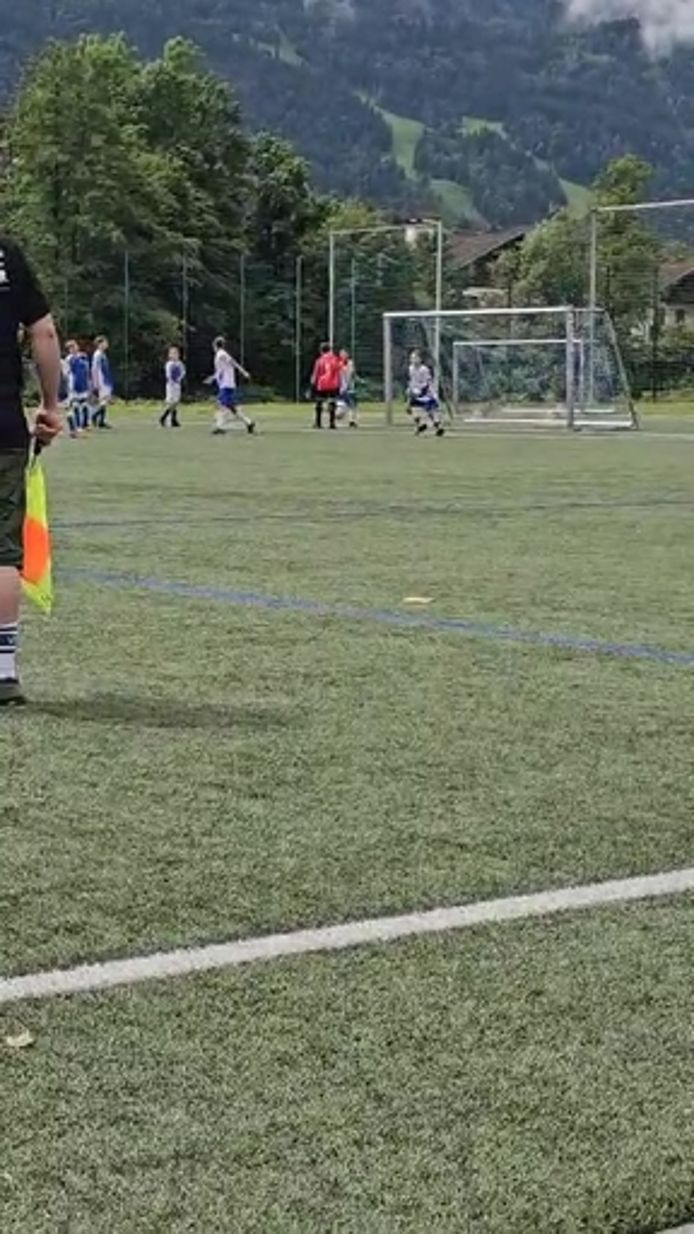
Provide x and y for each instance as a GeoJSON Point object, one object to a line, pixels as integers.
{"type": "Point", "coordinates": [629, 252]}
{"type": "Point", "coordinates": [85, 189]}
{"type": "Point", "coordinates": [191, 117]}
{"type": "Point", "coordinates": [283, 213]}
{"type": "Point", "coordinates": [554, 260]}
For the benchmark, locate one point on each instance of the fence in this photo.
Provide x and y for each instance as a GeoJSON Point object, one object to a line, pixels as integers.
{"type": "Point", "coordinates": [273, 315]}
{"type": "Point", "coordinates": [641, 268]}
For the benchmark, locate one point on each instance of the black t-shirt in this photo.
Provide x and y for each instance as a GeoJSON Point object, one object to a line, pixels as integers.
{"type": "Point", "coordinates": [22, 303]}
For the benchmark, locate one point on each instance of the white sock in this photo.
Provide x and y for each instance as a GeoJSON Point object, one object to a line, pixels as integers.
{"type": "Point", "coordinates": [8, 651]}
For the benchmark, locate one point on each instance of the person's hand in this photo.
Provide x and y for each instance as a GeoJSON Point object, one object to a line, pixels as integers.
{"type": "Point", "coordinates": [47, 425]}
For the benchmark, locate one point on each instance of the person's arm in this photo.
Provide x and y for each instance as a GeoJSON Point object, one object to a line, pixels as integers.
{"type": "Point", "coordinates": [35, 315]}
{"type": "Point", "coordinates": [240, 369]}
{"type": "Point", "coordinates": [45, 349]}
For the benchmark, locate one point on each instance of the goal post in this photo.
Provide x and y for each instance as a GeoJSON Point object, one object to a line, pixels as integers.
{"type": "Point", "coordinates": [641, 270]}
{"type": "Point", "coordinates": [529, 366]}
{"type": "Point", "coordinates": [373, 269]}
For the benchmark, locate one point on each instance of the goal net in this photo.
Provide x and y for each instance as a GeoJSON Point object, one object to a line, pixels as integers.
{"type": "Point", "coordinates": [538, 366]}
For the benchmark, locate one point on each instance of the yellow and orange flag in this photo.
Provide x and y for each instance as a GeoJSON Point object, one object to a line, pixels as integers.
{"type": "Point", "coordinates": [37, 575]}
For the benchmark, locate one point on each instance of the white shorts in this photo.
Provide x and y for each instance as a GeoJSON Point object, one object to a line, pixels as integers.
{"type": "Point", "coordinates": [104, 394]}
{"type": "Point", "coordinates": [174, 394]}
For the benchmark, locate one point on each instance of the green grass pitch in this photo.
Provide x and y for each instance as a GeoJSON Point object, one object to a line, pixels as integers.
{"type": "Point", "coordinates": [203, 767]}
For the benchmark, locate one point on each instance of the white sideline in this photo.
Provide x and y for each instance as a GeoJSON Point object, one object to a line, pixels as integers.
{"type": "Point", "coordinates": [185, 961]}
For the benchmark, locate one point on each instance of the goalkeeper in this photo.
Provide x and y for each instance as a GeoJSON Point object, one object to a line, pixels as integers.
{"type": "Point", "coordinates": [422, 403]}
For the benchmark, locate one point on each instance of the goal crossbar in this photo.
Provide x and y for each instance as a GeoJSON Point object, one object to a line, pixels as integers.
{"type": "Point", "coordinates": [459, 344]}
{"type": "Point", "coordinates": [431, 314]}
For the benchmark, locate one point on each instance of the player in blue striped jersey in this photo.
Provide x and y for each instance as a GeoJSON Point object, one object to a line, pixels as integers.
{"type": "Point", "coordinates": [78, 372]}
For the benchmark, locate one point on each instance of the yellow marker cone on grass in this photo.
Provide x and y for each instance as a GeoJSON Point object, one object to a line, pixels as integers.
{"type": "Point", "coordinates": [37, 575]}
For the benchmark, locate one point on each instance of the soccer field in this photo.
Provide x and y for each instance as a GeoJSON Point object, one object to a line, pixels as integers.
{"type": "Point", "coordinates": [242, 725]}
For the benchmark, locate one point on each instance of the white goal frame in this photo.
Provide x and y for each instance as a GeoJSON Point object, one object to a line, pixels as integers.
{"type": "Point", "coordinates": [578, 410]}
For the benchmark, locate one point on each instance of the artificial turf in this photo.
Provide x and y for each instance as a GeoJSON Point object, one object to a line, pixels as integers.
{"type": "Point", "coordinates": [513, 1080]}
{"type": "Point", "coordinates": [193, 770]}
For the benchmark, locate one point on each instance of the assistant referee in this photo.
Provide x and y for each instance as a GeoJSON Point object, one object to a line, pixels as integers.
{"type": "Point", "coordinates": [22, 305]}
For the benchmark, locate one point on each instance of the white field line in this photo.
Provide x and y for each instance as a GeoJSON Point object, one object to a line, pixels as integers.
{"type": "Point", "coordinates": [185, 961]}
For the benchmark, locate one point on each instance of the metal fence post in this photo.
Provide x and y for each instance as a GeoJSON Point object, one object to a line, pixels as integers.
{"type": "Point", "coordinates": [242, 308]}
{"type": "Point", "coordinates": [298, 329]}
{"type": "Point", "coordinates": [126, 325]}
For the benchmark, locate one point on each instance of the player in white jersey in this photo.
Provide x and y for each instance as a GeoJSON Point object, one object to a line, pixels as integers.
{"type": "Point", "coordinates": [422, 403]}
{"type": "Point", "coordinates": [225, 370]}
{"type": "Point", "coordinates": [347, 402]}
{"type": "Point", "coordinates": [174, 376]}
{"type": "Point", "coordinates": [102, 382]}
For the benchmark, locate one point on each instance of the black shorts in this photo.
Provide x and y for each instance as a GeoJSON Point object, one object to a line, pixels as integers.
{"type": "Point", "coordinates": [327, 396]}
{"type": "Point", "coordinates": [12, 507]}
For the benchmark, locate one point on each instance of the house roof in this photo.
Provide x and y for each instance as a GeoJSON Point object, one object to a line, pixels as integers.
{"type": "Point", "coordinates": [674, 272]}
{"type": "Point", "coordinates": [469, 247]}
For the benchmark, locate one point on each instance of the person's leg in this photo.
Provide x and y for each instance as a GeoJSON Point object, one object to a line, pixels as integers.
{"type": "Point", "coordinates": [332, 411]}
{"type": "Point", "coordinates": [236, 411]}
{"type": "Point", "coordinates": [222, 420]}
{"type": "Point", "coordinates": [12, 510]}
{"type": "Point", "coordinates": [418, 416]}
{"type": "Point", "coordinates": [164, 417]}
{"type": "Point", "coordinates": [105, 401]}
{"type": "Point", "coordinates": [175, 422]}
{"type": "Point", "coordinates": [318, 423]}
{"type": "Point", "coordinates": [434, 412]}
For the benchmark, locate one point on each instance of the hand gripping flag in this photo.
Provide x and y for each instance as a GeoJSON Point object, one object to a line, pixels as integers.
{"type": "Point", "coordinates": [37, 574]}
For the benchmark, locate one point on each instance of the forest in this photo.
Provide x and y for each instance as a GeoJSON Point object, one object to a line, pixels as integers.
{"type": "Point", "coordinates": [163, 220]}
{"type": "Point", "coordinates": [325, 75]}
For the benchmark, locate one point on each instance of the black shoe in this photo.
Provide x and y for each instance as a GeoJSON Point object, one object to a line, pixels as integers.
{"type": "Point", "coordinates": [421, 428]}
{"type": "Point", "coordinates": [218, 432]}
{"type": "Point", "coordinates": [11, 694]}
{"type": "Point", "coordinates": [251, 427]}
{"type": "Point", "coordinates": [353, 424]}
{"type": "Point", "coordinates": [440, 430]}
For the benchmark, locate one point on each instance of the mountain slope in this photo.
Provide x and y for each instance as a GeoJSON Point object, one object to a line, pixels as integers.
{"type": "Point", "coordinates": [508, 101]}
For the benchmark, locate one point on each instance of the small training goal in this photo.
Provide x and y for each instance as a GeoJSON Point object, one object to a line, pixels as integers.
{"type": "Point", "coordinates": [534, 367]}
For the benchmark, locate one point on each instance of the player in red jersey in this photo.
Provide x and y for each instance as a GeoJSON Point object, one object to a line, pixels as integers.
{"type": "Point", "coordinates": [326, 379]}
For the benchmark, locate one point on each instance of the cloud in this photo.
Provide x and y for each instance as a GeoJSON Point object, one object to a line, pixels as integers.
{"type": "Point", "coordinates": [664, 23]}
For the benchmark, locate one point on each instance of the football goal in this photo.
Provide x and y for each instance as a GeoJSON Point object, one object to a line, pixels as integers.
{"type": "Point", "coordinates": [538, 366]}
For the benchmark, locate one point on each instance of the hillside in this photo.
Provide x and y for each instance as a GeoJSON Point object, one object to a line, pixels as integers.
{"type": "Point", "coordinates": [500, 114]}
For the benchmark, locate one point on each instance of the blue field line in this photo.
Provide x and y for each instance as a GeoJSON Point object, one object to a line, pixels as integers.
{"type": "Point", "coordinates": [385, 617]}
{"type": "Point", "coordinates": [474, 509]}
